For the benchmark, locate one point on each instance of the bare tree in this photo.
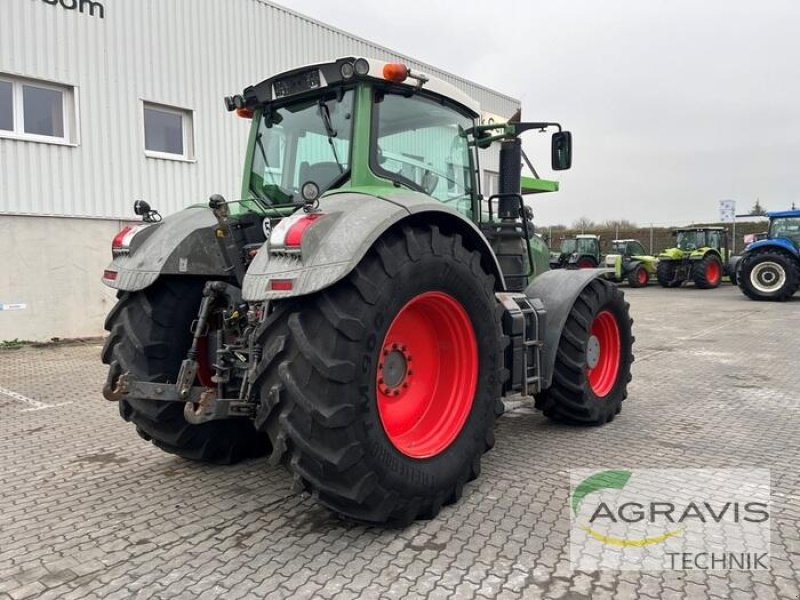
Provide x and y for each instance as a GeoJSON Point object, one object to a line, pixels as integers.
{"type": "Point", "coordinates": [583, 224]}
{"type": "Point", "coordinates": [619, 224]}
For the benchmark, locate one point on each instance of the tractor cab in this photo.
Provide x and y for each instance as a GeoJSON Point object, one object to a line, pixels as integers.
{"type": "Point", "coordinates": [692, 239]}
{"type": "Point", "coordinates": [785, 225]}
{"type": "Point", "coordinates": [628, 248]}
{"type": "Point", "coordinates": [368, 127]}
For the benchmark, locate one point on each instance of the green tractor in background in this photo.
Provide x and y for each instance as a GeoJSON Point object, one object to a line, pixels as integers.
{"type": "Point", "coordinates": [631, 263]}
{"type": "Point", "coordinates": [579, 252]}
{"type": "Point", "coordinates": [699, 255]}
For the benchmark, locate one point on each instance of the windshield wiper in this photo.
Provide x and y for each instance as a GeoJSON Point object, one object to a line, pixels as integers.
{"type": "Point", "coordinates": [325, 113]}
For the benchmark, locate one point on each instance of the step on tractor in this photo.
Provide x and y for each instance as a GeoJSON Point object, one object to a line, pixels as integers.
{"type": "Point", "coordinates": [360, 314]}
{"type": "Point", "coordinates": [579, 252]}
{"type": "Point", "coordinates": [769, 269]}
{"type": "Point", "coordinates": [700, 255]}
{"type": "Point", "coordinates": [631, 263]}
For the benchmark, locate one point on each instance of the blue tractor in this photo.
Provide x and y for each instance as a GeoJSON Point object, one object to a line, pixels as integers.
{"type": "Point", "coordinates": [769, 269]}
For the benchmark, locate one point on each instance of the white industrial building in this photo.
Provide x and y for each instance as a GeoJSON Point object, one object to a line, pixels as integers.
{"type": "Point", "coordinates": [107, 101]}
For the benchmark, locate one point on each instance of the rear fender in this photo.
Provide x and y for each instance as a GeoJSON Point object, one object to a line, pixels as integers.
{"type": "Point", "coordinates": [730, 268]}
{"type": "Point", "coordinates": [781, 244]}
{"type": "Point", "coordinates": [337, 242]}
{"type": "Point", "coordinates": [182, 244]}
{"type": "Point", "coordinates": [558, 291]}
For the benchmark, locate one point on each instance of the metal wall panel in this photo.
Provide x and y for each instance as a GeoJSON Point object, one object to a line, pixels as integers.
{"type": "Point", "coordinates": [183, 53]}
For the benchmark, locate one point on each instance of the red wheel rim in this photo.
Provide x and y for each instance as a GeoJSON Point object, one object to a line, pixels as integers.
{"type": "Point", "coordinates": [585, 263]}
{"type": "Point", "coordinates": [643, 276]}
{"type": "Point", "coordinates": [603, 353]}
{"type": "Point", "coordinates": [713, 272]}
{"type": "Point", "coordinates": [427, 375]}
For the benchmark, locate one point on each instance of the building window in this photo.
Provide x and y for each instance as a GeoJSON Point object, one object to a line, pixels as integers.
{"type": "Point", "coordinates": [36, 110]}
{"type": "Point", "coordinates": [168, 132]}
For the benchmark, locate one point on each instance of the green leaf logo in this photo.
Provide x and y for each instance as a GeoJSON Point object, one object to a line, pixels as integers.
{"type": "Point", "coordinates": [599, 481]}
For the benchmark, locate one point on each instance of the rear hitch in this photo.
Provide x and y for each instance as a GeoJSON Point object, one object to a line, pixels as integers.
{"type": "Point", "coordinates": [210, 408]}
{"type": "Point", "coordinates": [113, 391]}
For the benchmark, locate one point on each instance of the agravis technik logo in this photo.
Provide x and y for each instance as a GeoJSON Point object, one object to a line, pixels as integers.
{"type": "Point", "coordinates": [670, 519]}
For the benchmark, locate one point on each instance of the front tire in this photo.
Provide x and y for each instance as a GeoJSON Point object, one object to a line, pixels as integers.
{"type": "Point", "coordinates": [380, 393]}
{"type": "Point", "coordinates": [638, 277]}
{"type": "Point", "coordinates": [149, 335]}
{"type": "Point", "coordinates": [707, 272]}
{"type": "Point", "coordinates": [769, 275]}
{"type": "Point", "coordinates": [593, 360]}
{"type": "Point", "coordinates": [665, 273]}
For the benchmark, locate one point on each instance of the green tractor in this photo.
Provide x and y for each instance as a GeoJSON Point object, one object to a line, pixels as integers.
{"type": "Point", "coordinates": [631, 263]}
{"type": "Point", "coordinates": [579, 252]}
{"type": "Point", "coordinates": [699, 255]}
{"type": "Point", "coordinates": [360, 315]}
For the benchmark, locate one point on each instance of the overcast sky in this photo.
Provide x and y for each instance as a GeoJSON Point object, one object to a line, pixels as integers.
{"type": "Point", "coordinates": [673, 105]}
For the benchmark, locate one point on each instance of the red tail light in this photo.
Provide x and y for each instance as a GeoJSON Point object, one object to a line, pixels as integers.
{"type": "Point", "coordinates": [288, 236]}
{"type": "Point", "coordinates": [294, 236]}
{"type": "Point", "coordinates": [121, 244]}
{"type": "Point", "coordinates": [281, 285]}
{"type": "Point", "coordinates": [119, 239]}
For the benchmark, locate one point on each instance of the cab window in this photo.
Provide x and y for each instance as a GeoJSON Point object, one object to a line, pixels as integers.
{"type": "Point", "coordinates": [422, 144]}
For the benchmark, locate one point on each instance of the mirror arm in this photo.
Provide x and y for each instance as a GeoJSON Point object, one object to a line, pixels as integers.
{"type": "Point", "coordinates": [521, 127]}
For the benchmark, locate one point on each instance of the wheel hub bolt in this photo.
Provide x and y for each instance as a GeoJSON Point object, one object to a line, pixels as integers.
{"type": "Point", "coordinates": [393, 370]}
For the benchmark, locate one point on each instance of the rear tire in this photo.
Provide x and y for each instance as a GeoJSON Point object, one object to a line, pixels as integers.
{"type": "Point", "coordinates": [638, 277]}
{"type": "Point", "coordinates": [149, 337]}
{"type": "Point", "coordinates": [769, 275]}
{"type": "Point", "coordinates": [586, 262]}
{"type": "Point", "coordinates": [665, 273]}
{"type": "Point", "coordinates": [324, 392]}
{"type": "Point", "coordinates": [707, 272]}
{"type": "Point", "coordinates": [593, 361]}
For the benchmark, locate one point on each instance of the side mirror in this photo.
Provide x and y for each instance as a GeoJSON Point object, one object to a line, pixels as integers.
{"type": "Point", "coordinates": [561, 150]}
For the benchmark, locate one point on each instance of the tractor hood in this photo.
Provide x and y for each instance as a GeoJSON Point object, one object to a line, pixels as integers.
{"type": "Point", "coordinates": [678, 254]}
{"type": "Point", "coordinates": [672, 254]}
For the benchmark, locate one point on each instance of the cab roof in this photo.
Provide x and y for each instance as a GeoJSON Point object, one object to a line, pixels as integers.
{"type": "Point", "coordinates": [784, 213]}
{"type": "Point", "coordinates": [310, 78]}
